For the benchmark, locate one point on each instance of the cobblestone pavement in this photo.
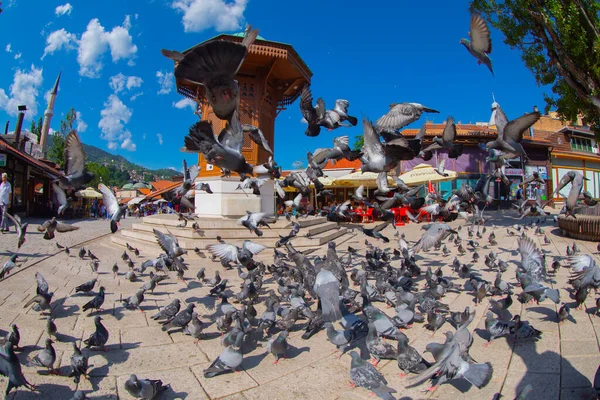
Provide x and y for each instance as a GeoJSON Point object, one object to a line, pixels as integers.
{"type": "Point", "coordinates": [561, 365]}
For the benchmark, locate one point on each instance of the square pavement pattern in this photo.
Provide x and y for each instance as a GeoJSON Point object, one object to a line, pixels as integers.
{"type": "Point", "coordinates": [559, 366]}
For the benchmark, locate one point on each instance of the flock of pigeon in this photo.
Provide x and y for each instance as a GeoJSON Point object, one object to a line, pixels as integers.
{"type": "Point", "coordinates": [298, 287]}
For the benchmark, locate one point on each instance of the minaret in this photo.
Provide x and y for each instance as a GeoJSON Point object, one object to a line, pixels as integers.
{"type": "Point", "coordinates": [494, 108]}
{"type": "Point", "coordinates": [48, 117]}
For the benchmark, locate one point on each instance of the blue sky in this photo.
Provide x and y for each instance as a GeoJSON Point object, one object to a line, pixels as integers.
{"type": "Point", "coordinates": [114, 74]}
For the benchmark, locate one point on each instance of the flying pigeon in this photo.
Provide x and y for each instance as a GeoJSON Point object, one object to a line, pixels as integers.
{"type": "Point", "coordinates": [479, 43]}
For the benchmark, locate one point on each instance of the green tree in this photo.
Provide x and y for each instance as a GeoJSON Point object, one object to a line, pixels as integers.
{"type": "Point", "coordinates": [56, 151]}
{"type": "Point", "coordinates": [559, 41]}
{"type": "Point", "coordinates": [36, 129]}
{"type": "Point", "coordinates": [101, 174]}
{"type": "Point", "coordinates": [359, 142]}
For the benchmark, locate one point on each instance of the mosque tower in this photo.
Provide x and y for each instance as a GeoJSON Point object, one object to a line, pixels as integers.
{"type": "Point", "coordinates": [494, 108]}
{"type": "Point", "coordinates": [48, 117]}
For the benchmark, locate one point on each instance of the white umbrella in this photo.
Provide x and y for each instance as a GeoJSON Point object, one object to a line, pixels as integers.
{"type": "Point", "coordinates": [135, 200]}
{"type": "Point", "coordinates": [424, 173]}
{"type": "Point", "coordinates": [355, 179]}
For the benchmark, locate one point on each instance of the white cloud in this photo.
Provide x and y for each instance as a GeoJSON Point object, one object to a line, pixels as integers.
{"type": "Point", "coordinates": [160, 138]}
{"type": "Point", "coordinates": [95, 41]}
{"type": "Point", "coordinates": [8, 48]}
{"type": "Point", "coordinates": [17, 56]}
{"type": "Point", "coordinates": [127, 142]}
{"type": "Point", "coordinates": [199, 15]}
{"type": "Point", "coordinates": [114, 116]}
{"type": "Point", "coordinates": [165, 81]}
{"type": "Point", "coordinates": [144, 136]}
{"type": "Point", "coordinates": [23, 91]}
{"type": "Point", "coordinates": [185, 102]}
{"type": "Point", "coordinates": [120, 82]}
{"type": "Point", "coordinates": [81, 125]}
{"type": "Point", "coordinates": [135, 96]}
{"type": "Point", "coordinates": [64, 9]}
{"type": "Point", "coordinates": [60, 39]}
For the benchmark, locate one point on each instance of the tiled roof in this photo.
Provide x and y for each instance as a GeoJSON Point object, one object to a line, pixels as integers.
{"type": "Point", "coordinates": [343, 164]}
{"type": "Point", "coordinates": [160, 185]}
{"type": "Point", "coordinates": [156, 194]}
{"type": "Point", "coordinates": [53, 172]}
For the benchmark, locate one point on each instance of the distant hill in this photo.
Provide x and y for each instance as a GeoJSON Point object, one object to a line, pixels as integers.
{"type": "Point", "coordinates": [97, 155]}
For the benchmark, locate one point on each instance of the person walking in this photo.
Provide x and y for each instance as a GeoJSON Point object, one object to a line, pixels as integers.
{"type": "Point", "coordinates": [5, 192]}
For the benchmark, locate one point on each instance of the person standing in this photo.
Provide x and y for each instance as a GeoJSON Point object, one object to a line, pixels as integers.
{"type": "Point", "coordinates": [5, 192]}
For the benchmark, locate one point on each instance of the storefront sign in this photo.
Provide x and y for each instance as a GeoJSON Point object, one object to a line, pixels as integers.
{"type": "Point", "coordinates": [2, 160]}
{"type": "Point", "coordinates": [513, 171]}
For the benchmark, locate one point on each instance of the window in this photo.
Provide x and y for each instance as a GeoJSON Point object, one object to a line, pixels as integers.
{"type": "Point", "coordinates": [583, 144]}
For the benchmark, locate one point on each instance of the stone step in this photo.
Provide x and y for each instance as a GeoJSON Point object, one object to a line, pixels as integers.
{"type": "Point", "coordinates": [225, 234]}
{"type": "Point", "coordinates": [222, 223]}
{"type": "Point", "coordinates": [150, 250]}
{"type": "Point", "coordinates": [147, 241]}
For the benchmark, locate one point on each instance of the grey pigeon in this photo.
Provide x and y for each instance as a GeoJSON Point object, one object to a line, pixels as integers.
{"type": "Point", "coordinates": [21, 228]}
{"type": "Point", "coordinates": [435, 233]}
{"type": "Point", "coordinates": [86, 287]}
{"type": "Point", "coordinates": [341, 339]}
{"type": "Point", "coordinates": [451, 365]}
{"type": "Point", "coordinates": [181, 319]}
{"type": "Point", "coordinates": [363, 374]}
{"type": "Point", "coordinates": [8, 266]}
{"type": "Point", "coordinates": [278, 345]}
{"type": "Point", "coordinates": [379, 349]}
{"type": "Point", "coordinates": [14, 336]}
{"type": "Point", "coordinates": [51, 329]}
{"type": "Point", "coordinates": [96, 302]}
{"type": "Point", "coordinates": [409, 359]}
{"type": "Point", "coordinates": [45, 358]}
{"type": "Point", "coordinates": [144, 388]}
{"type": "Point", "coordinates": [134, 301]}
{"type": "Point", "coordinates": [99, 337]}
{"type": "Point", "coordinates": [496, 328]}
{"type": "Point", "coordinates": [10, 367]}
{"type": "Point", "coordinates": [79, 364]}
{"type": "Point", "coordinates": [229, 360]}
{"type": "Point", "coordinates": [194, 328]}
{"type": "Point", "coordinates": [480, 43]}
{"type": "Point", "coordinates": [51, 226]}
{"type": "Point", "coordinates": [112, 206]}
{"type": "Point", "coordinates": [168, 311]}
{"type": "Point", "coordinates": [327, 288]}
{"type": "Point", "coordinates": [213, 65]}
{"type": "Point", "coordinates": [402, 114]}
{"type": "Point", "coordinates": [75, 174]}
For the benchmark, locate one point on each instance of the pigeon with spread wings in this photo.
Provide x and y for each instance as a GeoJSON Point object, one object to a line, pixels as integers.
{"type": "Point", "coordinates": [225, 151]}
{"type": "Point", "coordinates": [21, 228]}
{"type": "Point", "coordinates": [400, 115]}
{"type": "Point", "coordinates": [112, 206]}
{"type": "Point", "coordinates": [75, 174]}
{"type": "Point", "coordinates": [479, 43]}
{"type": "Point", "coordinates": [446, 141]}
{"type": "Point", "coordinates": [51, 226]}
{"type": "Point", "coordinates": [232, 253]}
{"type": "Point", "coordinates": [214, 65]}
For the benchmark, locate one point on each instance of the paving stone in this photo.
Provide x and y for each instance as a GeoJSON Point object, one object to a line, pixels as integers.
{"type": "Point", "coordinates": [225, 384]}
{"type": "Point", "coordinates": [578, 372]}
{"type": "Point", "coordinates": [544, 386]}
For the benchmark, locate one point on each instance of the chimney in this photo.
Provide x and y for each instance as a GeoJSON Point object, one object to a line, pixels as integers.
{"type": "Point", "coordinates": [6, 127]}
{"type": "Point", "coordinates": [535, 108]}
{"type": "Point", "coordinates": [20, 118]}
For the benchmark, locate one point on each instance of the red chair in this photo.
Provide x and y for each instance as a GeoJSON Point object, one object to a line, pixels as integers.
{"type": "Point", "coordinates": [368, 216]}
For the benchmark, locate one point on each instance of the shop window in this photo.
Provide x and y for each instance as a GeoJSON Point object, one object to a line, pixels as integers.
{"type": "Point", "coordinates": [583, 144]}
